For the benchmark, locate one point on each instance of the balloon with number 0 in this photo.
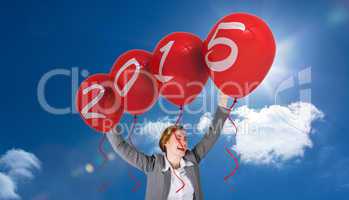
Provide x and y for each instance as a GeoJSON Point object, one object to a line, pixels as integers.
{"type": "Point", "coordinates": [239, 52]}
{"type": "Point", "coordinates": [98, 103]}
{"type": "Point", "coordinates": [179, 67]}
{"type": "Point", "coordinates": [134, 82]}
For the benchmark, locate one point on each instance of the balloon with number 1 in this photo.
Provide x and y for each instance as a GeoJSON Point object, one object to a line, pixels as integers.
{"type": "Point", "coordinates": [179, 68]}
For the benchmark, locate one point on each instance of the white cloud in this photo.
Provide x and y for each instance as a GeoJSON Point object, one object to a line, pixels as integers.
{"type": "Point", "coordinates": [272, 134]}
{"type": "Point", "coordinates": [16, 165]}
{"type": "Point", "coordinates": [7, 187]}
{"type": "Point", "coordinates": [205, 120]}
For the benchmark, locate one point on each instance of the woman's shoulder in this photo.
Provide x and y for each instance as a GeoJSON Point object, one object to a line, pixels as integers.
{"type": "Point", "coordinates": [190, 156]}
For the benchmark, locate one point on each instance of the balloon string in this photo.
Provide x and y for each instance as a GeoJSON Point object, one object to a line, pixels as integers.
{"type": "Point", "coordinates": [103, 187]}
{"type": "Point", "coordinates": [133, 177]}
{"type": "Point", "coordinates": [105, 156]}
{"type": "Point", "coordinates": [180, 179]}
{"type": "Point", "coordinates": [231, 174]}
{"type": "Point", "coordinates": [177, 122]}
{"type": "Point", "coordinates": [236, 164]}
{"type": "Point", "coordinates": [101, 151]}
{"type": "Point", "coordinates": [180, 115]}
{"type": "Point", "coordinates": [138, 183]}
{"type": "Point", "coordinates": [232, 105]}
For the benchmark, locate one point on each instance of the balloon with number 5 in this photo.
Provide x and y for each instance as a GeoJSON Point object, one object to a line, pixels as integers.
{"type": "Point", "coordinates": [239, 52]}
{"type": "Point", "coordinates": [134, 82]}
{"type": "Point", "coordinates": [179, 67]}
{"type": "Point", "coordinates": [99, 104]}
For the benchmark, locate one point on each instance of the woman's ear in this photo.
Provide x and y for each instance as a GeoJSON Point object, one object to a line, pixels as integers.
{"type": "Point", "coordinates": [165, 145]}
{"type": "Point", "coordinates": [164, 149]}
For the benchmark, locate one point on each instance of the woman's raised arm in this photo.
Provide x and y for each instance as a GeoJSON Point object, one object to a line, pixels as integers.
{"type": "Point", "coordinates": [211, 136]}
{"type": "Point", "coordinates": [129, 153]}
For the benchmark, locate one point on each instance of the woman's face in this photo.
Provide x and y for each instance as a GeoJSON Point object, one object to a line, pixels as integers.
{"type": "Point", "coordinates": [177, 144]}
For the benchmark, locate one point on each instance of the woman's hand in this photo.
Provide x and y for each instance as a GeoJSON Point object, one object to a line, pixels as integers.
{"type": "Point", "coordinates": [116, 130]}
{"type": "Point", "coordinates": [222, 99]}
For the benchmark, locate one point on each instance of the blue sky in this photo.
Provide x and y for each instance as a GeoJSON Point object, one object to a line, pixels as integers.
{"type": "Point", "coordinates": [40, 36]}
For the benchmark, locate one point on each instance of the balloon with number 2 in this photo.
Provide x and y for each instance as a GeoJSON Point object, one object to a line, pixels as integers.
{"type": "Point", "coordinates": [100, 106]}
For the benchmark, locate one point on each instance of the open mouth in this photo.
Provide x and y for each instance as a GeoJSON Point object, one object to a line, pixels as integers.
{"type": "Point", "coordinates": [181, 149]}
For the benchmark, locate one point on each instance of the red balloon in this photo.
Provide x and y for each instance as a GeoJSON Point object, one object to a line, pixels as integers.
{"type": "Point", "coordinates": [179, 67]}
{"type": "Point", "coordinates": [98, 103]}
{"type": "Point", "coordinates": [133, 82]}
{"type": "Point", "coordinates": [239, 52]}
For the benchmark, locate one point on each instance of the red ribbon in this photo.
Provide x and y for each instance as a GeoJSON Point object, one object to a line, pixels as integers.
{"type": "Point", "coordinates": [103, 187]}
{"type": "Point", "coordinates": [101, 151]}
{"type": "Point", "coordinates": [180, 115]}
{"type": "Point", "coordinates": [138, 183]}
{"type": "Point", "coordinates": [231, 154]}
{"type": "Point", "coordinates": [133, 177]}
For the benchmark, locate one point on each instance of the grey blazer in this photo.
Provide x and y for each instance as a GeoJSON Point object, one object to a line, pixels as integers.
{"type": "Point", "coordinates": [158, 181]}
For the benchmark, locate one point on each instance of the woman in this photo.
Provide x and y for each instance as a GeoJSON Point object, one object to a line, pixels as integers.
{"type": "Point", "coordinates": [175, 173]}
